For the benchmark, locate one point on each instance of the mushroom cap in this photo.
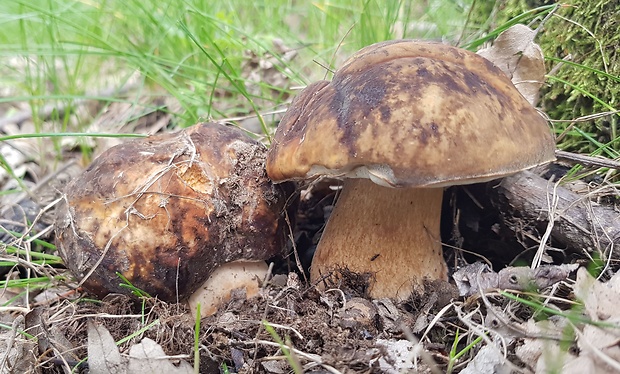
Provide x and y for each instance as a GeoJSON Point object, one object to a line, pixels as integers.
{"type": "Point", "coordinates": [167, 210]}
{"type": "Point", "coordinates": [411, 113]}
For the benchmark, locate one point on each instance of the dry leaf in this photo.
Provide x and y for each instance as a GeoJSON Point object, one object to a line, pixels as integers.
{"type": "Point", "coordinates": [149, 357]}
{"type": "Point", "coordinates": [398, 356]}
{"type": "Point", "coordinates": [475, 277]}
{"type": "Point", "coordinates": [600, 301]}
{"type": "Point", "coordinates": [388, 314]}
{"type": "Point", "coordinates": [58, 341]}
{"type": "Point", "coordinates": [598, 345]}
{"type": "Point", "coordinates": [488, 360]}
{"type": "Point", "coordinates": [145, 357]}
{"type": "Point", "coordinates": [275, 367]}
{"type": "Point", "coordinates": [103, 354]}
{"type": "Point", "coordinates": [515, 52]}
{"type": "Point", "coordinates": [540, 348]}
{"type": "Point", "coordinates": [16, 352]}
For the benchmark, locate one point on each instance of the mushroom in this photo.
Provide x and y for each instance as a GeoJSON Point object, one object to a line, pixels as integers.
{"type": "Point", "coordinates": [401, 120]}
{"type": "Point", "coordinates": [166, 211]}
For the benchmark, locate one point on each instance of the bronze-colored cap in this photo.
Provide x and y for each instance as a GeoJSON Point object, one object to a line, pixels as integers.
{"type": "Point", "coordinates": [411, 113]}
{"type": "Point", "coordinates": [167, 210]}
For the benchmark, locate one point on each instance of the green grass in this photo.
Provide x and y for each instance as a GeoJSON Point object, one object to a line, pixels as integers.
{"type": "Point", "coordinates": [456, 354]}
{"type": "Point", "coordinates": [285, 348]}
{"type": "Point", "coordinates": [575, 315]}
{"type": "Point", "coordinates": [197, 340]}
{"type": "Point", "coordinates": [63, 50]}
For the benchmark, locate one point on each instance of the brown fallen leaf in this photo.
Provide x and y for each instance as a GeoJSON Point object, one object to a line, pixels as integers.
{"type": "Point", "coordinates": [520, 58]}
{"type": "Point", "coordinates": [477, 277]}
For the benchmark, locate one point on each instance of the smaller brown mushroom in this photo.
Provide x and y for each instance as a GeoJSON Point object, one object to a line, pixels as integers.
{"type": "Point", "coordinates": [401, 120]}
{"type": "Point", "coordinates": [167, 211]}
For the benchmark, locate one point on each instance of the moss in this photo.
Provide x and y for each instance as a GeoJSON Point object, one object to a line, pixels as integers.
{"type": "Point", "coordinates": [586, 33]}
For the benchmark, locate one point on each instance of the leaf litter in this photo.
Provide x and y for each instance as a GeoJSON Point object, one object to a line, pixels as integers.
{"type": "Point", "coordinates": [146, 356]}
{"type": "Point", "coordinates": [571, 327]}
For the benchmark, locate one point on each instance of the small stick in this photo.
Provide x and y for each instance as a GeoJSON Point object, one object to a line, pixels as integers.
{"type": "Point", "coordinates": [588, 160]}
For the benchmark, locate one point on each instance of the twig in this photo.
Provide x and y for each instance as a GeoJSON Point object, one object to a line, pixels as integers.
{"type": "Point", "coordinates": [552, 205]}
{"type": "Point", "coordinates": [282, 327]}
{"type": "Point", "coordinates": [292, 238]}
{"type": "Point", "coordinates": [588, 160]}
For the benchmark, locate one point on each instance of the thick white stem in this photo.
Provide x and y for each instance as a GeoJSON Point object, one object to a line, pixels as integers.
{"type": "Point", "coordinates": [392, 233]}
{"type": "Point", "coordinates": [217, 290]}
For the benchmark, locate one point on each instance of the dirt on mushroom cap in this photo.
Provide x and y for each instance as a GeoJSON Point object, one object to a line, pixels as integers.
{"type": "Point", "coordinates": [435, 114]}
{"type": "Point", "coordinates": [164, 211]}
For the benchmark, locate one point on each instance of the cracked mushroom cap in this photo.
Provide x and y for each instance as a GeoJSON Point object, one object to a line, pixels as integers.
{"type": "Point", "coordinates": [167, 210]}
{"type": "Point", "coordinates": [411, 113]}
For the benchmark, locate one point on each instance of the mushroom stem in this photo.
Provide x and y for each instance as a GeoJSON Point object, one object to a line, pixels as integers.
{"type": "Point", "coordinates": [392, 233]}
{"type": "Point", "coordinates": [218, 289]}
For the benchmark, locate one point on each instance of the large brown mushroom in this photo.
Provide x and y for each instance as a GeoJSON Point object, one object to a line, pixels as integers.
{"type": "Point", "coordinates": [168, 210]}
{"type": "Point", "coordinates": [400, 120]}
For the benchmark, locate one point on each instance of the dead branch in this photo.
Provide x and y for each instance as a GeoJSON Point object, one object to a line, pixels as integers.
{"type": "Point", "coordinates": [578, 224]}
